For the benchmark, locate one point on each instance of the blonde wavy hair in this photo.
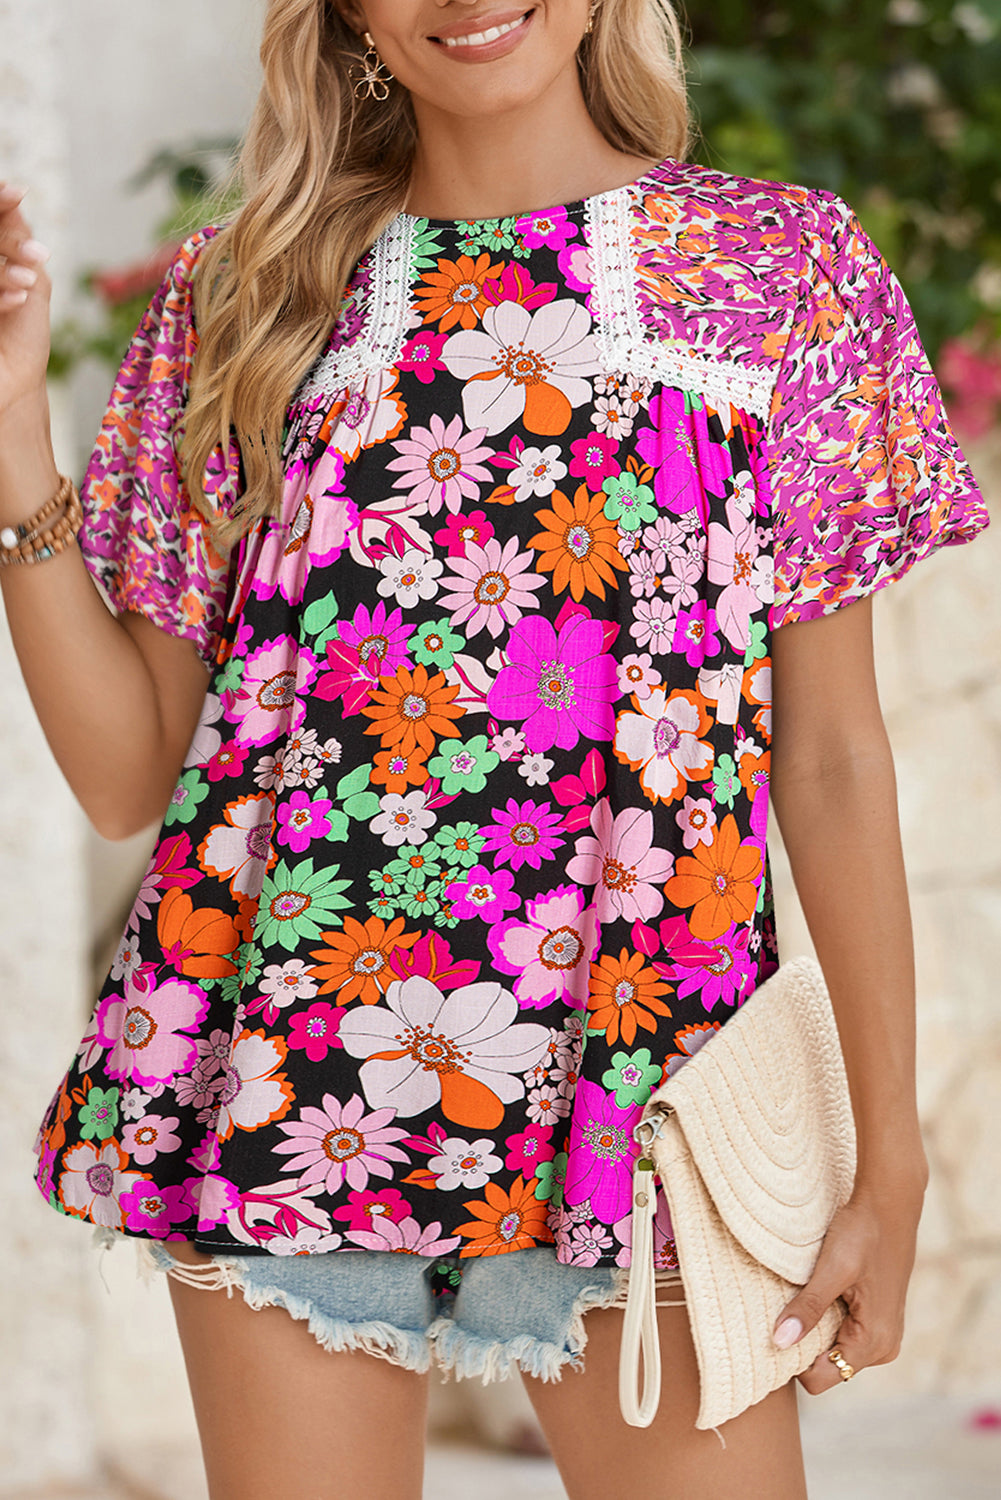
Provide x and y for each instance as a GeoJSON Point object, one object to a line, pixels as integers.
{"type": "Point", "coordinates": [322, 174]}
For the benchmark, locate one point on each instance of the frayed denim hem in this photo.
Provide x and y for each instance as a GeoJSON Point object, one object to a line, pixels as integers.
{"type": "Point", "coordinates": [467, 1356]}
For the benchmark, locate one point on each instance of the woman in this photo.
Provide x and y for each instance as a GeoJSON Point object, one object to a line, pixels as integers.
{"type": "Point", "coordinates": [450, 656]}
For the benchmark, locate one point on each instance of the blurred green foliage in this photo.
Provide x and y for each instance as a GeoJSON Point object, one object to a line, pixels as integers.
{"type": "Point", "coordinates": [893, 104]}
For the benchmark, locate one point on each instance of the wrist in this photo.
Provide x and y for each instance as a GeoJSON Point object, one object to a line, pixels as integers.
{"type": "Point", "coordinates": [28, 472]}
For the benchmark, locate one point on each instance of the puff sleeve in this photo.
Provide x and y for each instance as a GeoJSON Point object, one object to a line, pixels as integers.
{"type": "Point", "coordinates": [142, 539]}
{"type": "Point", "coordinates": [865, 472]}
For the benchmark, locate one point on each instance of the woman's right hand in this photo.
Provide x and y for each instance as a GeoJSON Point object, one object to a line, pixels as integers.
{"type": "Point", "coordinates": [24, 308]}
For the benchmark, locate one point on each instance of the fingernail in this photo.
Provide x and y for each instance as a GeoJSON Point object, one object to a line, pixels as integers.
{"type": "Point", "coordinates": [12, 299]}
{"type": "Point", "coordinates": [788, 1332]}
{"type": "Point", "coordinates": [34, 250]}
{"type": "Point", "coordinates": [21, 276]}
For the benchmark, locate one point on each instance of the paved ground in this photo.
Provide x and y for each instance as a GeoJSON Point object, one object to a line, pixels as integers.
{"type": "Point", "coordinates": [909, 1450]}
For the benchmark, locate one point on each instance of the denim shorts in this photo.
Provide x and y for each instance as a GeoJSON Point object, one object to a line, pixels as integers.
{"type": "Point", "coordinates": [475, 1317]}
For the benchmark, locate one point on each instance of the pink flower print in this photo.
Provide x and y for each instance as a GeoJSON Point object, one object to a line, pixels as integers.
{"type": "Point", "coordinates": [370, 414]}
{"type": "Point", "coordinates": [695, 633]}
{"type": "Point", "coordinates": [727, 974]}
{"type": "Point", "coordinates": [528, 1148]}
{"type": "Point", "coordinates": [491, 585]}
{"type": "Point", "coordinates": [459, 531]}
{"type": "Point", "coordinates": [537, 472]}
{"type": "Point", "coordinates": [662, 742]}
{"type": "Point", "coordinates": [733, 562]}
{"type": "Point", "coordinates": [561, 685]}
{"type": "Point", "coordinates": [421, 355]}
{"type": "Point", "coordinates": [155, 1211]}
{"type": "Point", "coordinates": [282, 986]}
{"type": "Point", "coordinates": [314, 1031]}
{"type": "Point", "coordinates": [514, 284]}
{"type": "Point", "coordinates": [668, 542]}
{"type": "Point", "coordinates": [341, 1143]}
{"type": "Point", "coordinates": [549, 953]}
{"type": "Point", "coordinates": [697, 819]}
{"type": "Point", "coordinates": [594, 459]}
{"type": "Point", "coordinates": [638, 675]}
{"type": "Point", "coordinates": [93, 1180]}
{"type": "Point", "coordinates": [268, 703]}
{"type": "Point", "coordinates": [687, 465]}
{"type": "Point", "coordinates": [586, 1244]}
{"type": "Point", "coordinates": [465, 1051]}
{"type": "Point", "coordinates": [601, 1152]}
{"type": "Point", "coordinates": [665, 1256]}
{"type": "Point", "coordinates": [253, 1091]}
{"type": "Point", "coordinates": [621, 863]}
{"type": "Point", "coordinates": [552, 228]}
{"type": "Point", "coordinates": [371, 643]}
{"type": "Point", "coordinates": [508, 743]}
{"type": "Point", "coordinates": [575, 267]}
{"type": "Point", "coordinates": [440, 465]}
{"type": "Point", "coordinates": [167, 867]}
{"type": "Point", "coordinates": [146, 1138]}
{"type": "Point", "coordinates": [524, 833]}
{"type": "Point", "coordinates": [547, 1105]}
{"type": "Point", "coordinates": [143, 1028]}
{"type": "Point", "coordinates": [406, 1237]}
{"type": "Point", "coordinates": [239, 849]}
{"type": "Point", "coordinates": [521, 366]}
{"type": "Point", "coordinates": [366, 1210]}
{"type": "Point", "coordinates": [483, 893]}
{"type": "Point", "coordinates": [302, 819]}
{"type": "Point", "coordinates": [654, 625]}
{"type": "Point", "coordinates": [213, 1199]}
{"type": "Point", "coordinates": [644, 579]}
{"type": "Point", "coordinates": [227, 761]}
{"type": "Point", "coordinates": [315, 525]}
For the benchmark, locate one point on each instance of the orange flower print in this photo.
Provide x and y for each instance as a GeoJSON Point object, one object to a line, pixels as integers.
{"type": "Point", "coordinates": [753, 770]}
{"type": "Point", "coordinates": [410, 709]}
{"type": "Point", "coordinates": [355, 962]}
{"type": "Point", "coordinates": [719, 882]}
{"type": "Point", "coordinates": [578, 544]}
{"type": "Point", "coordinates": [398, 772]}
{"type": "Point", "coordinates": [506, 1221]}
{"type": "Point", "coordinates": [624, 992]}
{"type": "Point", "coordinates": [454, 293]}
{"type": "Point", "coordinates": [197, 941]}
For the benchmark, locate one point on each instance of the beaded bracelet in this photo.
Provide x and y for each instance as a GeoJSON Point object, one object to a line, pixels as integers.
{"type": "Point", "coordinates": [47, 532]}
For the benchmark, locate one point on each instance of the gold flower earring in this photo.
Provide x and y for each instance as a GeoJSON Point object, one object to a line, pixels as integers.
{"type": "Point", "coordinates": [589, 28]}
{"type": "Point", "coordinates": [373, 81]}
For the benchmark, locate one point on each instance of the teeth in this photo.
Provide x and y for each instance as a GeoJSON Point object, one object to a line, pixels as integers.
{"type": "Point", "coordinates": [480, 38]}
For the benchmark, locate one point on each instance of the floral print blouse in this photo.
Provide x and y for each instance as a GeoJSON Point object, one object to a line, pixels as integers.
{"type": "Point", "coordinates": [469, 850]}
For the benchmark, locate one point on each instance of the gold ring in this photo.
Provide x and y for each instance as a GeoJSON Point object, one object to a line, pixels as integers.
{"type": "Point", "coordinates": [845, 1370]}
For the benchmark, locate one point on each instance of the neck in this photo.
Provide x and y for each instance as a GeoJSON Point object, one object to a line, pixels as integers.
{"type": "Point", "coordinates": [512, 162]}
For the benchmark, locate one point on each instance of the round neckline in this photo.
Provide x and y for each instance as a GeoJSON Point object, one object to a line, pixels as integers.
{"type": "Point", "coordinates": [575, 206]}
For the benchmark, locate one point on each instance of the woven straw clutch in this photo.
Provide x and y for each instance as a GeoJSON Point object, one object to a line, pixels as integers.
{"type": "Point", "coordinates": [754, 1144]}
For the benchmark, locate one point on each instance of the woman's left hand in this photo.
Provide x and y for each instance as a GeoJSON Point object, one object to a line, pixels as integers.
{"type": "Point", "coordinates": [866, 1258]}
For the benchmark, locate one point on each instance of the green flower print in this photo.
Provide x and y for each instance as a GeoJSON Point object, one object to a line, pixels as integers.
{"type": "Point", "coordinates": [629, 502]}
{"type": "Point", "coordinates": [189, 792]}
{"type": "Point", "coordinates": [757, 646]}
{"type": "Point", "coordinates": [298, 903]}
{"type": "Point", "coordinates": [384, 906]}
{"type": "Point", "coordinates": [426, 251]}
{"type": "Point", "coordinates": [726, 781]}
{"type": "Point", "coordinates": [422, 901]}
{"type": "Point", "coordinates": [491, 235]}
{"type": "Point", "coordinates": [388, 882]}
{"type": "Point", "coordinates": [413, 870]}
{"type": "Point", "coordinates": [354, 795]}
{"type": "Point", "coordinates": [435, 644]}
{"type": "Point", "coordinates": [229, 677]}
{"type": "Point", "coordinates": [550, 1177]}
{"type": "Point", "coordinates": [446, 916]}
{"type": "Point", "coordinates": [464, 767]}
{"type": "Point", "coordinates": [632, 1076]}
{"type": "Point", "coordinates": [99, 1115]}
{"type": "Point", "coordinates": [460, 844]}
{"type": "Point", "coordinates": [232, 985]}
{"type": "Point", "coordinates": [320, 620]}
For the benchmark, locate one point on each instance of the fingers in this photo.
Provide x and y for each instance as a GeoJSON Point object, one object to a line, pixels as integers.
{"type": "Point", "coordinates": [21, 256]}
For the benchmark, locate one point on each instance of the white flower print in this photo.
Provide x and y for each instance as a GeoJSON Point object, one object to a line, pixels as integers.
{"type": "Point", "coordinates": [507, 743]}
{"type": "Point", "coordinates": [287, 982]}
{"type": "Point", "coordinates": [535, 769]}
{"type": "Point", "coordinates": [207, 740]}
{"type": "Point", "coordinates": [654, 626]}
{"type": "Point", "coordinates": [464, 1164]}
{"type": "Point", "coordinates": [465, 1049]}
{"type": "Point", "coordinates": [546, 1105]}
{"type": "Point", "coordinates": [127, 959]}
{"type": "Point", "coordinates": [409, 578]}
{"type": "Point", "coordinates": [525, 366]}
{"type": "Point", "coordinates": [744, 495]}
{"type": "Point", "coordinates": [538, 473]}
{"type": "Point", "coordinates": [403, 819]}
{"type": "Point", "coordinates": [611, 418]}
{"type": "Point", "coordinates": [133, 1104]}
{"type": "Point", "coordinates": [238, 850]}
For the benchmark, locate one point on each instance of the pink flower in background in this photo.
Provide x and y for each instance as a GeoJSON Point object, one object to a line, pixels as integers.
{"type": "Point", "coordinates": [143, 1026]}
{"type": "Point", "coordinates": [144, 1139]}
{"type": "Point", "coordinates": [483, 893]}
{"type": "Point", "coordinates": [461, 530]}
{"type": "Point", "coordinates": [254, 1093]}
{"type": "Point", "coordinates": [697, 819]}
{"type": "Point", "coordinates": [562, 685]}
{"type": "Point", "coordinates": [695, 633]}
{"type": "Point", "coordinates": [421, 355]}
{"type": "Point", "coordinates": [441, 465]}
{"type": "Point", "coordinates": [155, 1211]}
{"type": "Point", "coordinates": [601, 1152]}
{"type": "Point", "coordinates": [268, 703]}
{"type": "Point", "coordinates": [314, 1031]}
{"type": "Point", "coordinates": [526, 1149]}
{"type": "Point", "coordinates": [238, 850]}
{"type": "Point", "coordinates": [341, 1143]}
{"type": "Point", "coordinates": [524, 833]}
{"type": "Point", "coordinates": [302, 819]}
{"type": "Point", "coordinates": [622, 865]}
{"type": "Point", "coordinates": [314, 527]}
{"type": "Point", "coordinates": [368, 1209]}
{"type": "Point", "coordinates": [549, 953]}
{"type": "Point", "coordinates": [407, 1237]}
{"type": "Point", "coordinates": [93, 1181]}
{"type": "Point", "coordinates": [727, 974]}
{"type": "Point", "coordinates": [594, 459]}
{"type": "Point", "coordinates": [552, 228]}
{"type": "Point", "coordinates": [491, 585]}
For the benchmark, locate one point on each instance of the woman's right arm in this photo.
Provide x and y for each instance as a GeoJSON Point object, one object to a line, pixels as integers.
{"type": "Point", "coordinates": [118, 699]}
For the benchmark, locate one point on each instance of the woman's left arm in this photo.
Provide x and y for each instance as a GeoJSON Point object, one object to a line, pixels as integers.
{"type": "Point", "coordinates": [834, 792]}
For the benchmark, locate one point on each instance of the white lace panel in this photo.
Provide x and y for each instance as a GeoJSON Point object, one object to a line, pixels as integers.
{"type": "Point", "coordinates": [380, 342]}
{"type": "Point", "coordinates": [629, 348]}
{"type": "Point", "coordinates": [626, 347]}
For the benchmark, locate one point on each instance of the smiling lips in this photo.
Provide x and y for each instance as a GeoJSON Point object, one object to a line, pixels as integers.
{"type": "Point", "coordinates": [470, 39]}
